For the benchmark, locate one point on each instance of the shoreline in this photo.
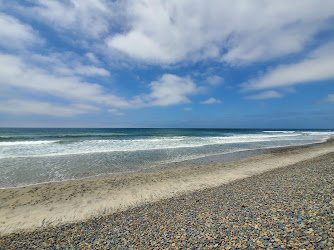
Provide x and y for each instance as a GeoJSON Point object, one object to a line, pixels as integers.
{"type": "Point", "coordinates": [197, 161]}
{"type": "Point", "coordinates": [25, 208]}
{"type": "Point", "coordinates": [170, 165]}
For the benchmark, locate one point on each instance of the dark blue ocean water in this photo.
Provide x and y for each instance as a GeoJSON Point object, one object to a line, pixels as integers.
{"type": "Point", "coordinates": [30, 156]}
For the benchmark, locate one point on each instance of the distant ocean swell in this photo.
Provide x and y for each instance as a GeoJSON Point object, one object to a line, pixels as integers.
{"type": "Point", "coordinates": [29, 156]}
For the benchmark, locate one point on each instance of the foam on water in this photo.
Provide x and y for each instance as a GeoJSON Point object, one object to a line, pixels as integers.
{"type": "Point", "coordinates": [278, 131]}
{"type": "Point", "coordinates": [72, 147]}
{"type": "Point", "coordinates": [19, 143]}
{"type": "Point", "coordinates": [49, 148]}
{"type": "Point", "coordinates": [38, 156]}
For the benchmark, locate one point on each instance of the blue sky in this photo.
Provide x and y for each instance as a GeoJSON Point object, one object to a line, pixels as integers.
{"type": "Point", "coordinates": [225, 64]}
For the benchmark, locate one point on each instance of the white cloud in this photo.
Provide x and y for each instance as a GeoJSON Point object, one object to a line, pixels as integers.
{"type": "Point", "coordinates": [329, 98]}
{"type": "Point", "coordinates": [15, 73]}
{"type": "Point", "coordinates": [67, 64]}
{"type": "Point", "coordinates": [169, 90]}
{"type": "Point", "coordinates": [187, 109]}
{"type": "Point", "coordinates": [44, 108]}
{"type": "Point", "coordinates": [212, 101]}
{"type": "Point", "coordinates": [264, 95]}
{"type": "Point", "coordinates": [92, 58]}
{"type": "Point", "coordinates": [14, 34]}
{"type": "Point", "coordinates": [18, 78]}
{"type": "Point", "coordinates": [116, 112]}
{"type": "Point", "coordinates": [90, 71]}
{"type": "Point", "coordinates": [215, 80]}
{"type": "Point", "coordinates": [317, 66]}
{"type": "Point", "coordinates": [89, 18]}
{"type": "Point", "coordinates": [235, 31]}
{"type": "Point", "coordinates": [146, 48]}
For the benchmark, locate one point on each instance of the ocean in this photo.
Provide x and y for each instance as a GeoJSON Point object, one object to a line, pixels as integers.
{"type": "Point", "coordinates": [30, 156]}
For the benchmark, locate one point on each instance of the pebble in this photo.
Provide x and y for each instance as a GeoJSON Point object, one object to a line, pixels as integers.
{"type": "Point", "coordinates": [290, 207]}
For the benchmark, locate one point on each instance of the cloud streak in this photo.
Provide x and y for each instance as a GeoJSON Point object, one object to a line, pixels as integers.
{"type": "Point", "coordinates": [89, 18]}
{"type": "Point", "coordinates": [317, 66]}
{"type": "Point", "coordinates": [116, 112]}
{"type": "Point", "coordinates": [212, 101]}
{"type": "Point", "coordinates": [44, 108]}
{"type": "Point", "coordinates": [215, 80]}
{"type": "Point", "coordinates": [264, 95]}
{"type": "Point", "coordinates": [15, 73]}
{"type": "Point", "coordinates": [16, 35]}
{"type": "Point", "coordinates": [329, 98]}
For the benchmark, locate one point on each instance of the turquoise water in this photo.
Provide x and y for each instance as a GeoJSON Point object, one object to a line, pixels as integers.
{"type": "Point", "coordinates": [30, 156]}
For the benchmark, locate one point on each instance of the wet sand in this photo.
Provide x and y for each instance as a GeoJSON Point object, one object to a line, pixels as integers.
{"type": "Point", "coordinates": [59, 203]}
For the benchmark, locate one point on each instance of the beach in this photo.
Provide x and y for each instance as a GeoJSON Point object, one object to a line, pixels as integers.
{"type": "Point", "coordinates": [277, 184]}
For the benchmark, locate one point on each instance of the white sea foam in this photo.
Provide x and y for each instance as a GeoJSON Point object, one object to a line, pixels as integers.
{"type": "Point", "coordinates": [17, 143]}
{"type": "Point", "coordinates": [51, 148]}
{"type": "Point", "coordinates": [70, 157]}
{"type": "Point", "coordinates": [329, 133]}
{"type": "Point", "coordinates": [283, 131]}
{"type": "Point", "coordinates": [259, 136]}
{"type": "Point", "coordinates": [58, 148]}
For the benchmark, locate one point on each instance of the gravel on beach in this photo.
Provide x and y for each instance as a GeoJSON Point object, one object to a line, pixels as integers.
{"type": "Point", "coordinates": [290, 207]}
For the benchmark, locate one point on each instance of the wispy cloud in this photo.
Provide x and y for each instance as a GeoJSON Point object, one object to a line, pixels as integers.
{"type": "Point", "coordinates": [215, 80]}
{"type": "Point", "coordinates": [317, 66]}
{"type": "Point", "coordinates": [212, 101]}
{"type": "Point", "coordinates": [92, 57]}
{"type": "Point", "coordinates": [67, 64]}
{"type": "Point", "coordinates": [90, 71]}
{"type": "Point", "coordinates": [329, 98]}
{"type": "Point", "coordinates": [89, 18]}
{"type": "Point", "coordinates": [264, 95]}
{"type": "Point", "coordinates": [44, 108]}
{"type": "Point", "coordinates": [116, 112]}
{"type": "Point", "coordinates": [16, 73]}
{"type": "Point", "coordinates": [16, 35]}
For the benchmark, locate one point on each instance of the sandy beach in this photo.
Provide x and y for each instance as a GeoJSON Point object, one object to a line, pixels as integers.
{"type": "Point", "coordinates": [285, 207]}
{"type": "Point", "coordinates": [34, 206]}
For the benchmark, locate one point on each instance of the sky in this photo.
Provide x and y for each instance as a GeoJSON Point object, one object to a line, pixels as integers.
{"type": "Point", "coordinates": [190, 63]}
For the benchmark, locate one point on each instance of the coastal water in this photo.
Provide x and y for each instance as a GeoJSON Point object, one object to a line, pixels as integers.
{"type": "Point", "coordinates": [31, 156]}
